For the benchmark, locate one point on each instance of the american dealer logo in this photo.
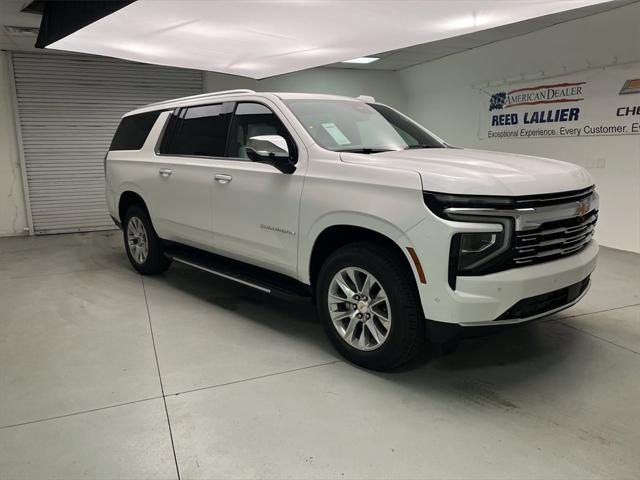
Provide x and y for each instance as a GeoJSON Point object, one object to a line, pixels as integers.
{"type": "Point", "coordinates": [538, 95]}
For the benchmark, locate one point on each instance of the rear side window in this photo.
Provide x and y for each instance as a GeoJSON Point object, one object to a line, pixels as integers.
{"type": "Point", "coordinates": [133, 131]}
{"type": "Point", "coordinates": [199, 131]}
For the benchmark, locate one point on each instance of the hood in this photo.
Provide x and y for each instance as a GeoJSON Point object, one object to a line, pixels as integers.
{"type": "Point", "coordinates": [479, 172]}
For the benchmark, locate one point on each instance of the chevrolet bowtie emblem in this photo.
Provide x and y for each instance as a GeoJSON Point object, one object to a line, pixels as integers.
{"type": "Point", "coordinates": [583, 207]}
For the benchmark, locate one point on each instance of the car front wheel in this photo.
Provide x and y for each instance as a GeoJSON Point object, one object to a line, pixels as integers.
{"type": "Point", "coordinates": [369, 306]}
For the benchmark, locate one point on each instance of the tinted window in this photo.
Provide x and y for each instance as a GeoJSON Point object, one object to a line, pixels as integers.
{"type": "Point", "coordinates": [133, 131]}
{"type": "Point", "coordinates": [250, 120]}
{"type": "Point", "coordinates": [202, 131]}
{"type": "Point", "coordinates": [172, 125]}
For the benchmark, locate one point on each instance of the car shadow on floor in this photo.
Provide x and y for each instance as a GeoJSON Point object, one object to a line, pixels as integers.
{"type": "Point", "coordinates": [492, 371]}
{"type": "Point", "coordinates": [295, 319]}
{"type": "Point", "coordinates": [514, 354]}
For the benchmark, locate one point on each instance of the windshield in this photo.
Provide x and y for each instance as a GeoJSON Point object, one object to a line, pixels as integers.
{"type": "Point", "coordinates": [352, 126]}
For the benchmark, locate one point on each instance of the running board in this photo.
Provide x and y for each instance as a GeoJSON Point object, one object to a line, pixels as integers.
{"type": "Point", "coordinates": [251, 276]}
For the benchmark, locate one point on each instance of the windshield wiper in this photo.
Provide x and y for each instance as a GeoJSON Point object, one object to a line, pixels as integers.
{"type": "Point", "coordinates": [368, 151]}
{"type": "Point", "coordinates": [413, 147]}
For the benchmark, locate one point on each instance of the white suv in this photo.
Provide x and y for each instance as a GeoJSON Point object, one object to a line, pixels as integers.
{"type": "Point", "coordinates": [397, 236]}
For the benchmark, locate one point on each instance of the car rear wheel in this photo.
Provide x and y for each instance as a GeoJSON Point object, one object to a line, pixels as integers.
{"type": "Point", "coordinates": [369, 306]}
{"type": "Point", "coordinates": [144, 248]}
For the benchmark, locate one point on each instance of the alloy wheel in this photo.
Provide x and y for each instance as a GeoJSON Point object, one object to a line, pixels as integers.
{"type": "Point", "coordinates": [359, 308]}
{"type": "Point", "coordinates": [137, 240]}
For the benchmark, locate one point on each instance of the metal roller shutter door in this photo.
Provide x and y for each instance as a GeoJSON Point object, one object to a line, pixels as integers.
{"type": "Point", "coordinates": [69, 107]}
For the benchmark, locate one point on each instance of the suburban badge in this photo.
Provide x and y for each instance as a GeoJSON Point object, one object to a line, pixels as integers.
{"type": "Point", "coordinates": [276, 229]}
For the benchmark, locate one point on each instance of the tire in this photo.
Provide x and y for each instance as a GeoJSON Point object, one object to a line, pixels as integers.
{"type": "Point", "coordinates": [137, 226]}
{"type": "Point", "coordinates": [404, 331]}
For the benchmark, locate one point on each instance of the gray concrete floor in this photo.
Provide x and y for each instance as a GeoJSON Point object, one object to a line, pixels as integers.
{"type": "Point", "coordinates": [104, 374]}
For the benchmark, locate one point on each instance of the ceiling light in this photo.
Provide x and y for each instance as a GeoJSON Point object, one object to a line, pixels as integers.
{"type": "Point", "coordinates": [141, 49]}
{"type": "Point", "coordinates": [22, 31]}
{"type": "Point", "coordinates": [361, 60]}
{"type": "Point", "coordinates": [469, 22]}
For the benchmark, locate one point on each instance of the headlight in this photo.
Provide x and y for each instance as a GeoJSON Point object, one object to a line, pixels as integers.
{"type": "Point", "coordinates": [438, 202]}
{"type": "Point", "coordinates": [476, 253]}
{"type": "Point", "coordinates": [476, 249]}
{"type": "Point", "coordinates": [480, 253]}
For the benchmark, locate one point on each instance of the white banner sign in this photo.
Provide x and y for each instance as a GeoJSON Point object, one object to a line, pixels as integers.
{"type": "Point", "coordinates": [594, 103]}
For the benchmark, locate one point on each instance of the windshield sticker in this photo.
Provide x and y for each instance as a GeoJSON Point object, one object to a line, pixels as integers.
{"type": "Point", "coordinates": [336, 133]}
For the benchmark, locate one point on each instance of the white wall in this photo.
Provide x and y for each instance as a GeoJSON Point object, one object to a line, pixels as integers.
{"type": "Point", "coordinates": [383, 85]}
{"type": "Point", "coordinates": [13, 219]}
{"type": "Point", "coordinates": [441, 96]}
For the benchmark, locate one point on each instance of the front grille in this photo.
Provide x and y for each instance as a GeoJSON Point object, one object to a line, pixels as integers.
{"type": "Point", "coordinates": [554, 239]}
{"type": "Point", "coordinates": [547, 302]}
{"type": "Point", "coordinates": [549, 199]}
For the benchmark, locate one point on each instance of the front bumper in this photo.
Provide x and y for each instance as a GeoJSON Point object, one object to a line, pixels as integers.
{"type": "Point", "coordinates": [483, 300]}
{"type": "Point", "coordinates": [538, 306]}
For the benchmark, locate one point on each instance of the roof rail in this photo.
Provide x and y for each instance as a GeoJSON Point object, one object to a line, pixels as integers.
{"type": "Point", "coordinates": [201, 95]}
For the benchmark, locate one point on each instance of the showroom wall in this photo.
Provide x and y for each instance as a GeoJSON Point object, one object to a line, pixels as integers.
{"type": "Point", "coordinates": [385, 86]}
{"type": "Point", "coordinates": [445, 95]}
{"type": "Point", "coordinates": [13, 219]}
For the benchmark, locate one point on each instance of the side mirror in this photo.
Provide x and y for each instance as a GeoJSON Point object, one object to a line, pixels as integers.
{"type": "Point", "coordinates": [272, 150]}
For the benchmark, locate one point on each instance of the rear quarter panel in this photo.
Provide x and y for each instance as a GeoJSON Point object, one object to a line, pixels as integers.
{"type": "Point", "coordinates": [133, 170]}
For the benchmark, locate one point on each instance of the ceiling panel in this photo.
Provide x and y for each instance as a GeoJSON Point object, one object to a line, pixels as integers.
{"type": "Point", "coordinates": [414, 55]}
{"type": "Point", "coordinates": [395, 59]}
{"type": "Point", "coordinates": [281, 37]}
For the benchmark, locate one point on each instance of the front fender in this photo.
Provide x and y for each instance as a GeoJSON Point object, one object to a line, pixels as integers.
{"type": "Point", "coordinates": [341, 218]}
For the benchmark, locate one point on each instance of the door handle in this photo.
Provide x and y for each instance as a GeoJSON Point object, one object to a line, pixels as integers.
{"type": "Point", "coordinates": [222, 178]}
{"type": "Point", "coordinates": [165, 172]}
